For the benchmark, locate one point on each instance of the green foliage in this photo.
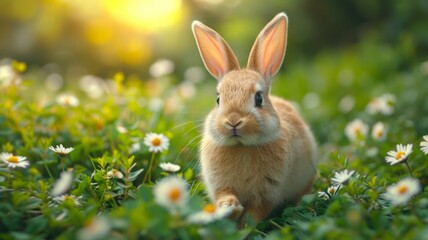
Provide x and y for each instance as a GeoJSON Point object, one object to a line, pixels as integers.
{"type": "Point", "coordinates": [107, 133]}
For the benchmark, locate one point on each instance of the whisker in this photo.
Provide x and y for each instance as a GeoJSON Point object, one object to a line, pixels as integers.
{"type": "Point", "coordinates": [182, 124]}
{"type": "Point", "coordinates": [191, 129]}
{"type": "Point", "coordinates": [195, 157]}
{"type": "Point", "coordinates": [190, 142]}
{"type": "Point", "coordinates": [190, 153]}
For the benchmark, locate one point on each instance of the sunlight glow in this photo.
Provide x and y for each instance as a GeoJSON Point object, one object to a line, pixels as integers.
{"type": "Point", "coordinates": [145, 15]}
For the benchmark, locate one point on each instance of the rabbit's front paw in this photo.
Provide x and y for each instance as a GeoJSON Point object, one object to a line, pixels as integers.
{"type": "Point", "coordinates": [228, 201]}
{"type": "Point", "coordinates": [231, 202]}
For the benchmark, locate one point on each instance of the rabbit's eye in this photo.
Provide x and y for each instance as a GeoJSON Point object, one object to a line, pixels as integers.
{"type": "Point", "coordinates": [258, 99]}
{"type": "Point", "coordinates": [218, 99]}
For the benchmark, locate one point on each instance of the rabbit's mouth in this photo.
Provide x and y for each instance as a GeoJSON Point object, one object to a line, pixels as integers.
{"type": "Point", "coordinates": [234, 133]}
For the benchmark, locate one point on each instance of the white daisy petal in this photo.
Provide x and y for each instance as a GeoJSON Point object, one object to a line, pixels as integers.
{"type": "Point", "coordinates": [356, 130]}
{"type": "Point", "coordinates": [171, 192]}
{"type": "Point", "coordinates": [13, 161]}
{"type": "Point", "coordinates": [403, 191]}
{"type": "Point", "coordinates": [170, 167]}
{"type": "Point", "coordinates": [399, 156]}
{"type": "Point", "coordinates": [61, 150]}
{"type": "Point", "coordinates": [62, 184]}
{"type": "Point", "coordinates": [96, 228]}
{"type": "Point", "coordinates": [383, 104]}
{"type": "Point", "coordinates": [341, 178]}
{"type": "Point", "coordinates": [379, 132]}
{"type": "Point", "coordinates": [114, 173]}
{"type": "Point", "coordinates": [332, 190]}
{"type": "Point", "coordinates": [209, 213]}
{"type": "Point", "coordinates": [424, 145]}
{"type": "Point", "coordinates": [156, 142]}
{"type": "Point", "coordinates": [67, 100]}
{"type": "Point", "coordinates": [61, 198]}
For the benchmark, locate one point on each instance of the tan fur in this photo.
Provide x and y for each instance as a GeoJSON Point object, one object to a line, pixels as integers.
{"type": "Point", "coordinates": [271, 160]}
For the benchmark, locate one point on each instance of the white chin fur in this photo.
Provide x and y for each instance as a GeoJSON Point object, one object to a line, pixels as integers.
{"type": "Point", "coordinates": [223, 140]}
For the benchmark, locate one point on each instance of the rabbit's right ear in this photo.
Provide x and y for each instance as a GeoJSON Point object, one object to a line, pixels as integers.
{"type": "Point", "coordinates": [268, 51]}
{"type": "Point", "coordinates": [218, 57]}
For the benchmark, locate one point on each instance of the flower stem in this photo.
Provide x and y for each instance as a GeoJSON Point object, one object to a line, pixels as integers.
{"type": "Point", "coordinates": [148, 175]}
{"type": "Point", "coordinates": [62, 164]}
{"type": "Point", "coordinates": [49, 172]}
{"type": "Point", "coordinates": [408, 167]}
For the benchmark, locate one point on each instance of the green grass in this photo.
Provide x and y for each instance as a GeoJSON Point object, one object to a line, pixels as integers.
{"type": "Point", "coordinates": [31, 120]}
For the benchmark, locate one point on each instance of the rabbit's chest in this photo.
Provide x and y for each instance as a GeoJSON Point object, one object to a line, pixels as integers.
{"type": "Point", "coordinates": [248, 171]}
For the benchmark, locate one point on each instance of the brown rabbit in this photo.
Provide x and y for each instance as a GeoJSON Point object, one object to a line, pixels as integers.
{"type": "Point", "coordinates": [256, 153]}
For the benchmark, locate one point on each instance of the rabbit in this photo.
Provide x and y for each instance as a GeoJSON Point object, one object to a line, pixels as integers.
{"type": "Point", "coordinates": [256, 152]}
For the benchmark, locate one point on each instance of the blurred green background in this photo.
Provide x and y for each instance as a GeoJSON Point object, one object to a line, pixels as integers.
{"type": "Point", "coordinates": [340, 53]}
{"type": "Point", "coordinates": [103, 36]}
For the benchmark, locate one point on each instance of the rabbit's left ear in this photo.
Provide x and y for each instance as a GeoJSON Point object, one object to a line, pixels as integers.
{"type": "Point", "coordinates": [218, 57]}
{"type": "Point", "coordinates": [268, 51]}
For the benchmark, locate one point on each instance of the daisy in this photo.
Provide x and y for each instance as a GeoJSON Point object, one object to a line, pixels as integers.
{"type": "Point", "coordinates": [173, 104]}
{"type": "Point", "coordinates": [93, 86]}
{"type": "Point", "coordinates": [62, 184]}
{"type": "Point", "coordinates": [67, 100]}
{"type": "Point", "coordinates": [356, 130]}
{"type": "Point", "coordinates": [424, 145]}
{"type": "Point", "coordinates": [194, 74]}
{"type": "Point", "coordinates": [171, 192]}
{"type": "Point", "coordinates": [332, 190]}
{"type": "Point", "coordinates": [170, 167]}
{"type": "Point", "coordinates": [161, 68]}
{"type": "Point", "coordinates": [8, 76]}
{"type": "Point", "coordinates": [379, 131]}
{"type": "Point", "coordinates": [342, 177]}
{"type": "Point", "coordinates": [54, 82]}
{"type": "Point", "coordinates": [400, 155]}
{"type": "Point", "coordinates": [346, 104]}
{"type": "Point", "coordinates": [156, 104]}
{"type": "Point", "coordinates": [135, 147]}
{"type": "Point", "coordinates": [121, 129]}
{"type": "Point", "coordinates": [95, 228]}
{"type": "Point", "coordinates": [387, 103]}
{"type": "Point", "coordinates": [156, 142]}
{"type": "Point", "coordinates": [13, 161]}
{"type": "Point", "coordinates": [186, 90]}
{"type": "Point", "coordinates": [383, 104]}
{"type": "Point", "coordinates": [61, 150]}
{"type": "Point", "coordinates": [209, 214]}
{"type": "Point", "coordinates": [62, 198]}
{"type": "Point", "coordinates": [114, 174]}
{"type": "Point", "coordinates": [401, 192]}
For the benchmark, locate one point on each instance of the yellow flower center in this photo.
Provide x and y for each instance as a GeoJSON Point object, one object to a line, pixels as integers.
{"type": "Point", "coordinates": [67, 101]}
{"type": "Point", "coordinates": [209, 208]}
{"type": "Point", "coordinates": [357, 131]}
{"type": "Point", "coordinates": [156, 141]}
{"type": "Point", "coordinates": [402, 190]}
{"type": "Point", "coordinates": [13, 159]}
{"type": "Point", "coordinates": [174, 194]}
{"type": "Point", "coordinates": [399, 154]}
{"type": "Point", "coordinates": [379, 133]}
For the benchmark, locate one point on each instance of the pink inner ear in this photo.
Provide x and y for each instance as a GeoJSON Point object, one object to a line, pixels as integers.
{"type": "Point", "coordinates": [269, 49]}
{"type": "Point", "coordinates": [214, 57]}
{"type": "Point", "coordinates": [216, 54]}
{"type": "Point", "coordinates": [273, 47]}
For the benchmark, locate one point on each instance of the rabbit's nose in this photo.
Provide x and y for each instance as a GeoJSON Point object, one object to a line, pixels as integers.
{"type": "Point", "coordinates": [234, 124]}
{"type": "Point", "coordinates": [234, 121]}
{"type": "Point", "coordinates": [234, 127]}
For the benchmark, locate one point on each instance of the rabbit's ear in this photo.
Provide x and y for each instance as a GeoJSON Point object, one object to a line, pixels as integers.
{"type": "Point", "coordinates": [268, 51]}
{"type": "Point", "coordinates": [218, 57]}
